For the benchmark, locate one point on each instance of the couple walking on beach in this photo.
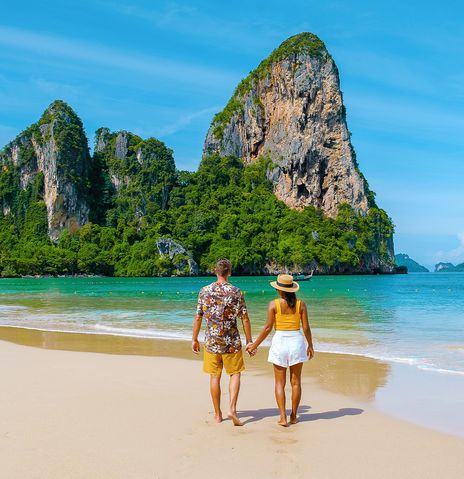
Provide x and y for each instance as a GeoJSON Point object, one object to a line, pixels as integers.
{"type": "Point", "coordinates": [221, 304]}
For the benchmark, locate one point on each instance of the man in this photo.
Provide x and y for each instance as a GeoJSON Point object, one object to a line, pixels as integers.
{"type": "Point", "coordinates": [221, 303]}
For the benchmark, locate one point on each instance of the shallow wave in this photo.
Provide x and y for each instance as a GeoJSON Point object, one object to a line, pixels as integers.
{"type": "Point", "coordinates": [141, 333]}
{"type": "Point", "coordinates": [417, 362]}
{"type": "Point", "coordinates": [184, 335]}
{"type": "Point", "coordinates": [11, 307]}
{"type": "Point", "coordinates": [108, 331]}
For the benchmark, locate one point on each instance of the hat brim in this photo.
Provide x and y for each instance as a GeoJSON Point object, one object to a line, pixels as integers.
{"type": "Point", "coordinates": [289, 289]}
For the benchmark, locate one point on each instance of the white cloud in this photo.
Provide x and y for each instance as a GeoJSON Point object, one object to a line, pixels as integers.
{"type": "Point", "coordinates": [414, 119]}
{"type": "Point", "coordinates": [402, 73]}
{"type": "Point", "coordinates": [102, 55]}
{"type": "Point", "coordinates": [185, 120]}
{"type": "Point", "coordinates": [455, 255]}
{"type": "Point", "coordinates": [55, 88]}
{"type": "Point", "coordinates": [249, 32]}
{"type": "Point", "coordinates": [166, 17]}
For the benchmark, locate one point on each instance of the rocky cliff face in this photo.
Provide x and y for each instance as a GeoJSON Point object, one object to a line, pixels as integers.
{"type": "Point", "coordinates": [181, 259]}
{"type": "Point", "coordinates": [140, 170]}
{"type": "Point", "coordinates": [54, 151]}
{"type": "Point", "coordinates": [290, 109]}
{"type": "Point", "coordinates": [449, 268]}
{"type": "Point", "coordinates": [115, 145]}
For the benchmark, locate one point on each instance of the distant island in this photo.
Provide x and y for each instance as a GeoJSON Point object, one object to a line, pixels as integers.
{"type": "Point", "coordinates": [278, 188]}
{"type": "Point", "coordinates": [449, 268]}
{"type": "Point", "coordinates": [402, 259]}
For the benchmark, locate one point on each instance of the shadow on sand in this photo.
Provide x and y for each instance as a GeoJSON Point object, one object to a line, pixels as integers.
{"type": "Point", "coordinates": [303, 416]}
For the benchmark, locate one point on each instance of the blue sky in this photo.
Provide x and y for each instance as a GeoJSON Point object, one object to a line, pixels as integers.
{"type": "Point", "coordinates": [163, 69]}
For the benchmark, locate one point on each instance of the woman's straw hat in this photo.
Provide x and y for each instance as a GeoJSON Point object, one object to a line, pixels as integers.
{"type": "Point", "coordinates": [285, 283]}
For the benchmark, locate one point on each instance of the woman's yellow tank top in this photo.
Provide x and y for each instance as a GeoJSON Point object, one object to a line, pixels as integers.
{"type": "Point", "coordinates": [287, 322]}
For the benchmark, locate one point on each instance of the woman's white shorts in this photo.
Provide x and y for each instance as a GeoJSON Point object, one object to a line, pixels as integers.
{"type": "Point", "coordinates": [287, 348]}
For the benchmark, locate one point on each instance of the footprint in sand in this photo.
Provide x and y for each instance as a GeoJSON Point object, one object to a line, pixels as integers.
{"type": "Point", "coordinates": [283, 440]}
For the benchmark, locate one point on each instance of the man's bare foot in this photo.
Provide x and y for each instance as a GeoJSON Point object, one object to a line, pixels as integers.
{"type": "Point", "coordinates": [282, 422]}
{"type": "Point", "coordinates": [218, 418]}
{"type": "Point", "coordinates": [233, 417]}
{"type": "Point", "coordinates": [293, 418]}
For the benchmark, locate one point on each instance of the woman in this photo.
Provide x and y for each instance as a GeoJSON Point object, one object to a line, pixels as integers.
{"type": "Point", "coordinates": [288, 348]}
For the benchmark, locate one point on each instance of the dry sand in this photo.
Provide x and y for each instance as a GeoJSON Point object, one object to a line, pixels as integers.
{"type": "Point", "coordinates": [68, 414]}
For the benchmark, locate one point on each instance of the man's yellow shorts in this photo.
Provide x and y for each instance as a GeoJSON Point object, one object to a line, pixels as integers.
{"type": "Point", "coordinates": [214, 362]}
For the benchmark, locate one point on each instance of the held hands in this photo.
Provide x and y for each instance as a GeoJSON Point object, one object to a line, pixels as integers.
{"type": "Point", "coordinates": [195, 346]}
{"type": "Point", "coordinates": [310, 351]}
{"type": "Point", "coordinates": [251, 349]}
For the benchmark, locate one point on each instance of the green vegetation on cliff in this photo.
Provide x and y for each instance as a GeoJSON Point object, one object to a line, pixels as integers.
{"type": "Point", "coordinates": [223, 209]}
{"type": "Point", "coordinates": [228, 209]}
{"type": "Point", "coordinates": [134, 196]}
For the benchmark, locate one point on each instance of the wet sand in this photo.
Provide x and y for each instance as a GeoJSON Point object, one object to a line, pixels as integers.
{"type": "Point", "coordinates": [426, 398]}
{"type": "Point", "coordinates": [142, 413]}
{"type": "Point", "coordinates": [356, 376]}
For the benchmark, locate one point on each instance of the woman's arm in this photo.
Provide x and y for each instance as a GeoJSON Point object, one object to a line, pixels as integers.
{"type": "Point", "coordinates": [252, 347]}
{"type": "Point", "coordinates": [307, 330]}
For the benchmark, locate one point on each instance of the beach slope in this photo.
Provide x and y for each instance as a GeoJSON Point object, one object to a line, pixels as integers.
{"type": "Point", "coordinates": [66, 414]}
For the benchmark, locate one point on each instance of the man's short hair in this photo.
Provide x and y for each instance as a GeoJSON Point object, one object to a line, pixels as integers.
{"type": "Point", "coordinates": [223, 267]}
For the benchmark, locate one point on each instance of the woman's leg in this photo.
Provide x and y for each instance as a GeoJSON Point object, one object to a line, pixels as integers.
{"type": "Point", "coordinates": [280, 374]}
{"type": "Point", "coordinates": [295, 381]}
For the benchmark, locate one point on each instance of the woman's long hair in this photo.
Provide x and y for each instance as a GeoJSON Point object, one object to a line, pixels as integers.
{"type": "Point", "coordinates": [290, 298]}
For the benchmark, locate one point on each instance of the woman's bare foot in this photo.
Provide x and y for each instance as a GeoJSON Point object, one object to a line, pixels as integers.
{"type": "Point", "coordinates": [218, 417]}
{"type": "Point", "coordinates": [282, 422]}
{"type": "Point", "coordinates": [233, 417]}
{"type": "Point", "coordinates": [293, 418]}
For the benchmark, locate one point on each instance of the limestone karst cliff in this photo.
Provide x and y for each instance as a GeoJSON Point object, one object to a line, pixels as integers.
{"type": "Point", "coordinates": [290, 109]}
{"type": "Point", "coordinates": [126, 210]}
{"type": "Point", "coordinates": [51, 156]}
{"type": "Point", "coordinates": [66, 211]}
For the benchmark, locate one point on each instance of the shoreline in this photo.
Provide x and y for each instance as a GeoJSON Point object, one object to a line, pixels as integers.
{"type": "Point", "coordinates": [206, 275]}
{"type": "Point", "coordinates": [114, 416]}
{"type": "Point", "coordinates": [186, 338]}
{"type": "Point", "coordinates": [370, 381]}
{"type": "Point", "coordinates": [119, 344]}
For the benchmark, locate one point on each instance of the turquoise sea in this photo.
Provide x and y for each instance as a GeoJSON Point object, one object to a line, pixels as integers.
{"type": "Point", "coordinates": [416, 319]}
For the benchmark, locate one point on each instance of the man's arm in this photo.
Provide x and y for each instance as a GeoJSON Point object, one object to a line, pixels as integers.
{"type": "Point", "coordinates": [245, 319]}
{"type": "Point", "coordinates": [195, 332]}
{"type": "Point", "coordinates": [247, 328]}
{"type": "Point", "coordinates": [197, 325]}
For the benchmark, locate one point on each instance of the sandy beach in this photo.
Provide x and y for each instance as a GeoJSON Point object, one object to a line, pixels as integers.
{"type": "Point", "coordinates": [89, 415]}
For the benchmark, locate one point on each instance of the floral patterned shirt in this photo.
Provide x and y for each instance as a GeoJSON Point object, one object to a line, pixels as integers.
{"type": "Point", "coordinates": [220, 304]}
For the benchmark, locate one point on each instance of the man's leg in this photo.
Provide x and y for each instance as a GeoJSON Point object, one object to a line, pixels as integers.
{"type": "Point", "coordinates": [280, 376]}
{"type": "Point", "coordinates": [215, 388]}
{"type": "Point", "coordinates": [234, 389]}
